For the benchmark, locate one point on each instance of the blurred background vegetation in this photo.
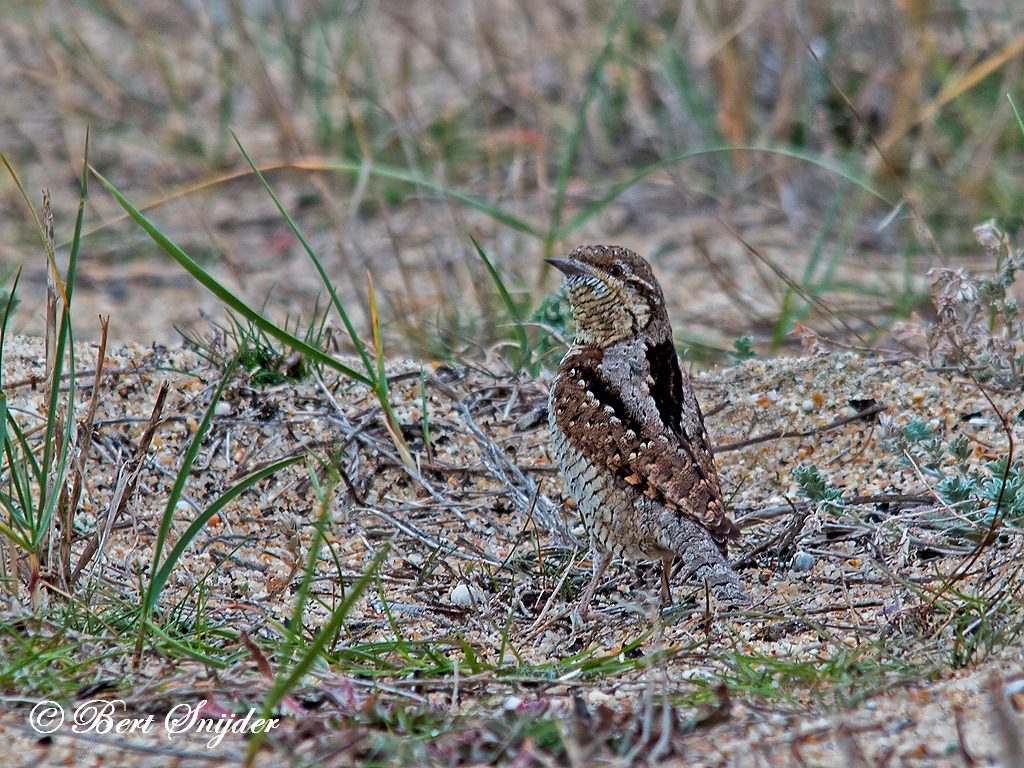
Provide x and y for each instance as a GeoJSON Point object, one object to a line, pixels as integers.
{"type": "Point", "coordinates": [783, 163]}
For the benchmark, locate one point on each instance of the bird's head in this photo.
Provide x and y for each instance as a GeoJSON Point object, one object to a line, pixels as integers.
{"type": "Point", "coordinates": [613, 293]}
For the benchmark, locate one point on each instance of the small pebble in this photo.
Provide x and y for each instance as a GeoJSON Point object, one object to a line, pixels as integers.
{"type": "Point", "coordinates": [465, 596]}
{"type": "Point", "coordinates": [803, 561]}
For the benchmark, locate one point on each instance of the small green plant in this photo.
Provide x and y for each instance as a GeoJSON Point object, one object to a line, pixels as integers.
{"type": "Point", "coordinates": [553, 316]}
{"type": "Point", "coordinates": [814, 487]}
{"type": "Point", "coordinates": [982, 496]}
{"type": "Point", "coordinates": [742, 349]}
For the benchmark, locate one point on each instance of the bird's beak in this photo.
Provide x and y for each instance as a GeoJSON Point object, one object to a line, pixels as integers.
{"type": "Point", "coordinates": [571, 267]}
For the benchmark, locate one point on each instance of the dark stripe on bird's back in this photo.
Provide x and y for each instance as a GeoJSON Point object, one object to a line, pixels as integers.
{"type": "Point", "coordinates": [668, 384]}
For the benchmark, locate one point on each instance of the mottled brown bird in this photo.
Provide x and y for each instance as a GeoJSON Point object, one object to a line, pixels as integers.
{"type": "Point", "coordinates": [628, 432]}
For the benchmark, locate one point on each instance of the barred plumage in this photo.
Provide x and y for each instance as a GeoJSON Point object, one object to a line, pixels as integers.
{"type": "Point", "coordinates": [628, 432]}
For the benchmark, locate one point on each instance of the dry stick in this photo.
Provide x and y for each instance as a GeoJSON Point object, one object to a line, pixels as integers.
{"type": "Point", "coordinates": [262, 663]}
{"type": "Point", "coordinates": [780, 542]}
{"type": "Point", "coordinates": [134, 469]}
{"type": "Point", "coordinates": [536, 628]}
{"type": "Point", "coordinates": [727, 282]}
{"type": "Point", "coordinates": [794, 751]}
{"type": "Point", "coordinates": [851, 749]}
{"type": "Point", "coordinates": [427, 539]}
{"type": "Point", "coordinates": [522, 490]}
{"type": "Point", "coordinates": [68, 518]}
{"type": "Point", "coordinates": [769, 513]}
{"type": "Point", "coordinates": [35, 380]}
{"type": "Point", "coordinates": [961, 737]}
{"type": "Point", "coordinates": [780, 434]}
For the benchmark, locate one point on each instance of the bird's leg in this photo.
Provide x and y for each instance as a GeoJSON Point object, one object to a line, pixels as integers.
{"type": "Point", "coordinates": [600, 565]}
{"type": "Point", "coordinates": [666, 591]}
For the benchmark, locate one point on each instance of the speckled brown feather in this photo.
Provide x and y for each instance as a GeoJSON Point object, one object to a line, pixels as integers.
{"type": "Point", "coordinates": [664, 463]}
{"type": "Point", "coordinates": [627, 429]}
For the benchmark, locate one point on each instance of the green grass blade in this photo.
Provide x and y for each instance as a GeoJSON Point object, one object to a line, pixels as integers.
{"type": "Point", "coordinates": [1016, 113]}
{"type": "Point", "coordinates": [21, 461]}
{"type": "Point", "coordinates": [510, 306]}
{"type": "Point", "coordinates": [284, 683]}
{"type": "Point", "coordinates": [338, 306]}
{"type": "Point", "coordinates": [572, 144]}
{"type": "Point", "coordinates": [382, 390]}
{"type": "Point", "coordinates": [160, 578]}
{"type": "Point", "coordinates": [223, 294]}
{"type": "Point", "coordinates": [185, 650]}
{"type": "Point", "coordinates": [51, 258]}
{"type": "Point", "coordinates": [52, 486]}
{"type": "Point", "coordinates": [323, 493]}
{"type": "Point", "coordinates": [6, 320]}
{"type": "Point", "coordinates": [179, 484]}
{"type": "Point", "coordinates": [398, 174]}
{"type": "Point", "coordinates": [619, 187]}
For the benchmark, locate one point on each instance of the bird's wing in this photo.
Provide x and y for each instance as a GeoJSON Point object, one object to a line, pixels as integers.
{"type": "Point", "coordinates": [673, 466]}
{"type": "Point", "coordinates": [677, 405]}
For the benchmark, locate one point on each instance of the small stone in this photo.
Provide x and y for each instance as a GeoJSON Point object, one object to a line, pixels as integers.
{"type": "Point", "coordinates": [465, 596]}
{"type": "Point", "coordinates": [803, 561]}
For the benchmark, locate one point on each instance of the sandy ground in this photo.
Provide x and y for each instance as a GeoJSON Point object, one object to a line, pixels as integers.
{"type": "Point", "coordinates": [467, 528]}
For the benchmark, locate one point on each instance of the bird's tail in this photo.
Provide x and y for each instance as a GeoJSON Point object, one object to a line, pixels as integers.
{"type": "Point", "coordinates": [702, 557]}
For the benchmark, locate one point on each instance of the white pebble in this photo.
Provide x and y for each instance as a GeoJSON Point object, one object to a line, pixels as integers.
{"type": "Point", "coordinates": [803, 561]}
{"type": "Point", "coordinates": [465, 596]}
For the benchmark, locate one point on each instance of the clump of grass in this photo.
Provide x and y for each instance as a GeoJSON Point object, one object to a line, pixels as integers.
{"type": "Point", "coordinates": [305, 652]}
{"type": "Point", "coordinates": [268, 362]}
{"type": "Point", "coordinates": [163, 566]}
{"type": "Point", "coordinates": [41, 476]}
{"type": "Point", "coordinates": [845, 677]}
{"type": "Point", "coordinates": [35, 491]}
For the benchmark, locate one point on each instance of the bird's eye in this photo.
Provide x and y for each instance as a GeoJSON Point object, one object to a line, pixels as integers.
{"type": "Point", "coordinates": [615, 270]}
